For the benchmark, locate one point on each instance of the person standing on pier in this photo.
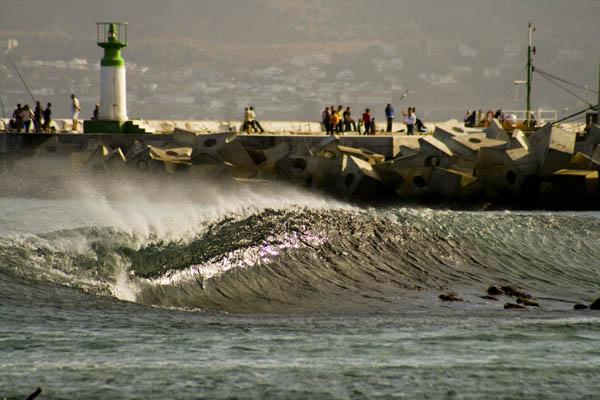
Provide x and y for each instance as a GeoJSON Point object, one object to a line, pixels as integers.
{"type": "Point", "coordinates": [246, 124]}
{"type": "Point", "coordinates": [325, 119]}
{"type": "Point", "coordinates": [367, 121]}
{"type": "Point", "coordinates": [18, 120]}
{"type": "Point", "coordinates": [349, 124]}
{"type": "Point", "coordinates": [390, 115]}
{"type": "Point", "coordinates": [75, 110]}
{"type": "Point", "coordinates": [47, 118]}
{"type": "Point", "coordinates": [332, 125]}
{"type": "Point", "coordinates": [335, 121]}
{"type": "Point", "coordinates": [489, 117]}
{"type": "Point", "coordinates": [409, 120]}
{"type": "Point", "coordinates": [37, 117]}
{"type": "Point", "coordinates": [96, 112]}
{"type": "Point", "coordinates": [470, 119]}
{"type": "Point", "coordinates": [254, 122]}
{"type": "Point", "coordinates": [340, 126]}
{"type": "Point", "coordinates": [27, 116]}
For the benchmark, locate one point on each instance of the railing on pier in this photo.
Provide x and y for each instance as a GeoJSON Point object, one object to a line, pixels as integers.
{"type": "Point", "coordinates": [540, 117]}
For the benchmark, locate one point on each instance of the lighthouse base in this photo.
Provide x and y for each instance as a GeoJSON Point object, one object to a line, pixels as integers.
{"type": "Point", "coordinates": [129, 127]}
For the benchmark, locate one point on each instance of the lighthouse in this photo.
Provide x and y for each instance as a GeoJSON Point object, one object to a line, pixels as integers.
{"type": "Point", "coordinates": [112, 37]}
{"type": "Point", "coordinates": [112, 112]}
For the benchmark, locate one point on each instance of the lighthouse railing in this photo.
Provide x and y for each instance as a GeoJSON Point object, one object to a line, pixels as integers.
{"type": "Point", "coordinates": [104, 32]}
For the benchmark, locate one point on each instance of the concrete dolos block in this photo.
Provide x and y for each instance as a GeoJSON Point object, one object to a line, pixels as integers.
{"type": "Point", "coordinates": [173, 158]}
{"type": "Point", "coordinates": [139, 159]}
{"type": "Point", "coordinates": [464, 142]}
{"type": "Point", "coordinates": [272, 155]}
{"type": "Point", "coordinates": [412, 183]}
{"type": "Point", "coordinates": [561, 146]}
{"type": "Point", "coordinates": [581, 161]}
{"type": "Point", "coordinates": [526, 162]}
{"type": "Point", "coordinates": [236, 155]}
{"type": "Point", "coordinates": [358, 178]}
{"type": "Point", "coordinates": [453, 184]}
{"type": "Point", "coordinates": [498, 174]}
{"type": "Point", "coordinates": [476, 141]}
{"type": "Point", "coordinates": [205, 144]}
{"type": "Point", "coordinates": [519, 140]}
{"type": "Point", "coordinates": [452, 128]}
{"type": "Point", "coordinates": [312, 171]}
{"type": "Point", "coordinates": [180, 155]}
{"type": "Point", "coordinates": [434, 153]}
{"type": "Point", "coordinates": [219, 147]}
{"type": "Point", "coordinates": [591, 142]}
{"type": "Point", "coordinates": [101, 158]}
{"type": "Point", "coordinates": [363, 154]}
{"type": "Point", "coordinates": [496, 131]}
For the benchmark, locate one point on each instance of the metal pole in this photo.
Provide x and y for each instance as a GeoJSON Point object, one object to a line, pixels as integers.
{"type": "Point", "coordinates": [529, 76]}
{"type": "Point", "coordinates": [20, 76]}
{"type": "Point", "coordinates": [2, 103]}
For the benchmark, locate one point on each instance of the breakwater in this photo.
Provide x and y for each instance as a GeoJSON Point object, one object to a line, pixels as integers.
{"type": "Point", "coordinates": [550, 168]}
{"type": "Point", "coordinates": [63, 125]}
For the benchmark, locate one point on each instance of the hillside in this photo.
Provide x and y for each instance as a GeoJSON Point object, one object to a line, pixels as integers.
{"type": "Point", "coordinates": [463, 51]}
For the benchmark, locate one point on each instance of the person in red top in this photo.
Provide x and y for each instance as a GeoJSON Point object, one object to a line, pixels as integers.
{"type": "Point", "coordinates": [367, 121]}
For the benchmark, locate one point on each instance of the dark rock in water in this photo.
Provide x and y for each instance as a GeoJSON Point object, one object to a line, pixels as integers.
{"type": "Point", "coordinates": [494, 291]}
{"type": "Point", "coordinates": [515, 292]}
{"type": "Point", "coordinates": [527, 302]}
{"type": "Point", "coordinates": [512, 306]}
{"type": "Point", "coordinates": [580, 307]}
{"type": "Point", "coordinates": [489, 298]}
{"type": "Point", "coordinates": [596, 304]}
{"type": "Point", "coordinates": [449, 297]}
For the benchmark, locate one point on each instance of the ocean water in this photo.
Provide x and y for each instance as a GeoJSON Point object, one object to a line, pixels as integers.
{"type": "Point", "coordinates": [197, 291]}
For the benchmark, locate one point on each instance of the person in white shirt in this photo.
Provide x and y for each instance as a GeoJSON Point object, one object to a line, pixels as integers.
{"type": "Point", "coordinates": [75, 110]}
{"type": "Point", "coordinates": [410, 120]}
{"type": "Point", "coordinates": [27, 116]}
{"type": "Point", "coordinates": [252, 119]}
{"type": "Point", "coordinates": [246, 126]}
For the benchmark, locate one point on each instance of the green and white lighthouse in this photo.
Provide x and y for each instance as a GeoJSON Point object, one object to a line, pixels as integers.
{"type": "Point", "coordinates": [112, 112]}
{"type": "Point", "coordinates": [112, 37]}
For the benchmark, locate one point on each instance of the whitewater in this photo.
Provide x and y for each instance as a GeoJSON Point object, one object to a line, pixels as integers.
{"type": "Point", "coordinates": [129, 289]}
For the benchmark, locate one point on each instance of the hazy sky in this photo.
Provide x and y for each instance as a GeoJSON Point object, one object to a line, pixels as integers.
{"type": "Point", "coordinates": [466, 51]}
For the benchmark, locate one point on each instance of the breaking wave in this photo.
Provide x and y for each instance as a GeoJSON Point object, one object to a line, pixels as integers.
{"type": "Point", "coordinates": [311, 256]}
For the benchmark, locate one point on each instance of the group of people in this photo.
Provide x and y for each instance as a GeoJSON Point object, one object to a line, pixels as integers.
{"type": "Point", "coordinates": [479, 118]}
{"type": "Point", "coordinates": [338, 120]}
{"type": "Point", "coordinates": [412, 122]}
{"type": "Point", "coordinates": [251, 124]}
{"type": "Point", "coordinates": [24, 116]}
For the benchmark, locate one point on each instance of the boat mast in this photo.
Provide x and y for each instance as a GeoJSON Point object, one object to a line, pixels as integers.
{"type": "Point", "coordinates": [530, 52]}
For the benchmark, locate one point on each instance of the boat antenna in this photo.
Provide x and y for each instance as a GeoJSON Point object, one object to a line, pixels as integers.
{"type": "Point", "coordinates": [20, 76]}
{"type": "Point", "coordinates": [531, 50]}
